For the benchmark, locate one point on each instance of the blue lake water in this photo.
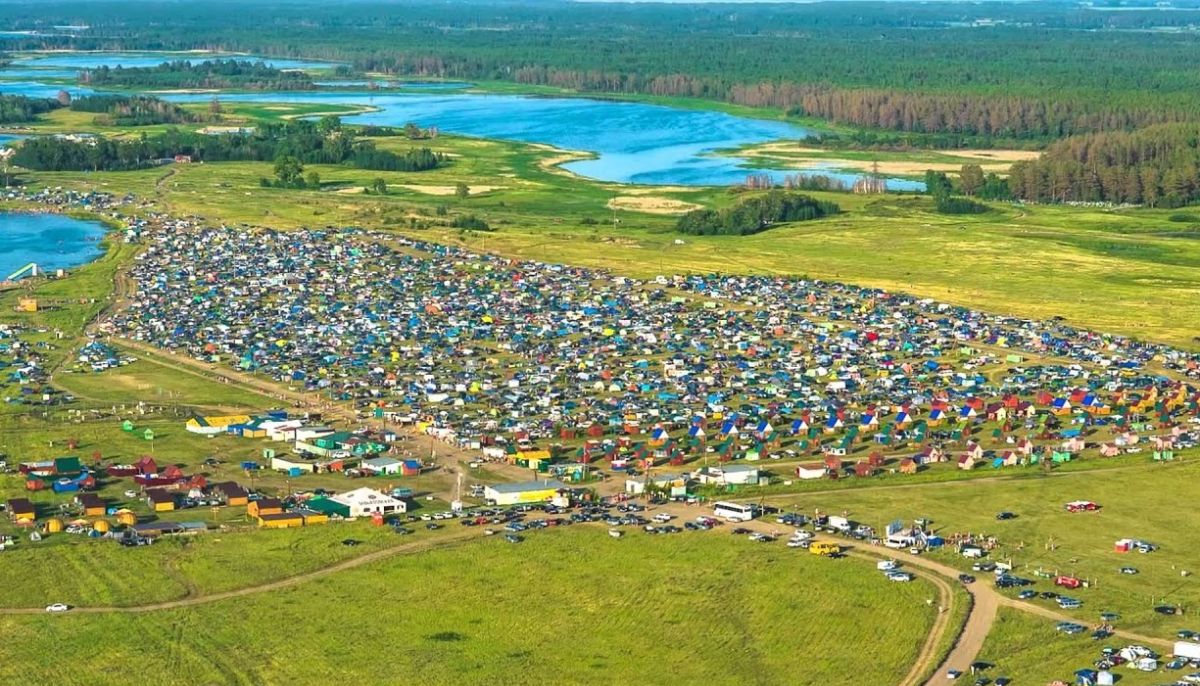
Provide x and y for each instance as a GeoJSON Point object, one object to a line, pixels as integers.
{"type": "Point", "coordinates": [87, 60]}
{"type": "Point", "coordinates": [37, 89]}
{"type": "Point", "coordinates": [53, 241]}
{"type": "Point", "coordinates": [414, 85]}
{"type": "Point", "coordinates": [633, 142]}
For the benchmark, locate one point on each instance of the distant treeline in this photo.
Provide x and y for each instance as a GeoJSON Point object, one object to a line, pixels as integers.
{"type": "Point", "coordinates": [131, 110]}
{"type": "Point", "coordinates": [1023, 70]}
{"type": "Point", "coordinates": [1159, 166]}
{"type": "Point", "coordinates": [231, 73]}
{"type": "Point", "coordinates": [323, 142]}
{"type": "Point", "coordinates": [754, 215]}
{"type": "Point", "coordinates": [18, 109]}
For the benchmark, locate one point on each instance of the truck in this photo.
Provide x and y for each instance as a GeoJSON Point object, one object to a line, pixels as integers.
{"type": "Point", "coordinates": [824, 548]}
{"type": "Point", "coordinates": [1187, 649]}
{"type": "Point", "coordinates": [839, 524]}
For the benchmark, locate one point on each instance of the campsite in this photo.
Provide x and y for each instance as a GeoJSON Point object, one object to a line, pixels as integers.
{"type": "Point", "coordinates": [662, 343]}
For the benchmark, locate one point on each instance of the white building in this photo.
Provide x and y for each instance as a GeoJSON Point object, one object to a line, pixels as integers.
{"type": "Point", "coordinates": [364, 502]}
{"type": "Point", "coordinates": [382, 465]}
{"type": "Point", "coordinates": [673, 484]}
{"type": "Point", "coordinates": [525, 492]}
{"type": "Point", "coordinates": [737, 474]}
{"type": "Point", "coordinates": [811, 471]}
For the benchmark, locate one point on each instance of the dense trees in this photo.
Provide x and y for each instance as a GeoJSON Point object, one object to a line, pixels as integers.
{"type": "Point", "coordinates": [755, 214]}
{"type": "Point", "coordinates": [1025, 70]}
{"type": "Point", "coordinates": [185, 74]}
{"type": "Point", "coordinates": [131, 110]}
{"type": "Point", "coordinates": [941, 188]}
{"type": "Point", "coordinates": [303, 141]}
{"type": "Point", "coordinates": [18, 109]}
{"type": "Point", "coordinates": [1158, 166]}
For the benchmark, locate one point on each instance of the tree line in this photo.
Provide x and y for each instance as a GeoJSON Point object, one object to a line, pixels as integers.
{"type": "Point", "coordinates": [131, 110]}
{"type": "Point", "coordinates": [307, 142]}
{"type": "Point", "coordinates": [1157, 166]}
{"type": "Point", "coordinates": [19, 109]}
{"type": "Point", "coordinates": [231, 73]}
{"type": "Point", "coordinates": [755, 214]}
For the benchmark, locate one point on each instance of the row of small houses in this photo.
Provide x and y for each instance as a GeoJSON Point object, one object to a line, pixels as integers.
{"type": "Point", "coordinates": [267, 512]}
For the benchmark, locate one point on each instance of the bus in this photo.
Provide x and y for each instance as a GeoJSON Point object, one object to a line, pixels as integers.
{"type": "Point", "coordinates": [735, 512]}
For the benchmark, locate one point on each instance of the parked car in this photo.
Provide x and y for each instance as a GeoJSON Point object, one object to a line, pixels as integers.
{"type": "Point", "coordinates": [1005, 516]}
{"type": "Point", "coordinates": [57, 607]}
{"type": "Point", "coordinates": [966, 578]}
{"type": "Point", "coordinates": [899, 576]}
{"type": "Point", "coordinates": [1027, 594]}
{"type": "Point", "coordinates": [1129, 570]}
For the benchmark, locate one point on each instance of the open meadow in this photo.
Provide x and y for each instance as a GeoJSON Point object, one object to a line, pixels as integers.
{"type": "Point", "coordinates": [569, 606]}
{"type": "Point", "coordinates": [1149, 502]}
{"type": "Point", "coordinates": [1036, 261]}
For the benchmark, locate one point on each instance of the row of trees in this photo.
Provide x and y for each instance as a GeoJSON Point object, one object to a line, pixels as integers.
{"type": "Point", "coordinates": [756, 214]}
{"type": "Point", "coordinates": [321, 142]}
{"type": "Point", "coordinates": [131, 110]}
{"type": "Point", "coordinates": [1158, 166]}
{"type": "Point", "coordinates": [18, 109]}
{"type": "Point", "coordinates": [230, 73]}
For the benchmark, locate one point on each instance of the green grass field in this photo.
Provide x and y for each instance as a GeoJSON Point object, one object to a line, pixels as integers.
{"type": "Point", "coordinates": [565, 606]}
{"type": "Point", "coordinates": [1029, 651]}
{"type": "Point", "coordinates": [1038, 261]}
{"type": "Point", "coordinates": [1150, 502]}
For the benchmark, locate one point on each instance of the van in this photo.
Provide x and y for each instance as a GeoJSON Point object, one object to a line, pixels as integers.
{"type": "Point", "coordinates": [824, 548]}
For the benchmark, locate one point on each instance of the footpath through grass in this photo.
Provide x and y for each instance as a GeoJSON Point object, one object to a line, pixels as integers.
{"type": "Point", "coordinates": [570, 606]}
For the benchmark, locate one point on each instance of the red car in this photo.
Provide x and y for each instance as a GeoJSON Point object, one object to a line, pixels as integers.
{"type": "Point", "coordinates": [1081, 506]}
{"type": "Point", "coordinates": [1068, 582]}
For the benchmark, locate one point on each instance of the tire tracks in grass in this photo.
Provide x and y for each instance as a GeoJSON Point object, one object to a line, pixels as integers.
{"type": "Point", "coordinates": [445, 541]}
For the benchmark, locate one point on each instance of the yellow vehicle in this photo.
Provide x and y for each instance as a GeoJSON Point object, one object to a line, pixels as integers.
{"type": "Point", "coordinates": [824, 548]}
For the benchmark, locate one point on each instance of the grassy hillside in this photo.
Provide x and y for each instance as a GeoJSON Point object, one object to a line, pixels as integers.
{"type": "Point", "coordinates": [565, 607]}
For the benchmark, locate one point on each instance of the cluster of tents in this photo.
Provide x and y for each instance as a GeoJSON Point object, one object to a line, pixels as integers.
{"type": "Point", "coordinates": [486, 349]}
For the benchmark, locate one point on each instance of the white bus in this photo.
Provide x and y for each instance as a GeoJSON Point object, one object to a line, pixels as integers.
{"type": "Point", "coordinates": [735, 512]}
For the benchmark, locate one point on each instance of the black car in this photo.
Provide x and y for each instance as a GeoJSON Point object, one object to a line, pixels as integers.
{"type": "Point", "coordinates": [966, 578]}
{"type": "Point", "coordinates": [1004, 516]}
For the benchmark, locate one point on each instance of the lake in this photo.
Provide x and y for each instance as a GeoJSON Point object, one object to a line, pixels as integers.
{"type": "Point", "coordinates": [89, 60]}
{"type": "Point", "coordinates": [53, 241]}
{"type": "Point", "coordinates": [633, 142]}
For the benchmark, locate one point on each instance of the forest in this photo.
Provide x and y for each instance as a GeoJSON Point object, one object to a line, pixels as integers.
{"type": "Point", "coordinates": [754, 215]}
{"type": "Point", "coordinates": [902, 75]}
{"type": "Point", "coordinates": [993, 70]}
{"type": "Point", "coordinates": [307, 142]}
{"type": "Point", "coordinates": [18, 109]}
{"type": "Point", "coordinates": [231, 73]}
{"type": "Point", "coordinates": [131, 110]}
{"type": "Point", "coordinates": [1157, 166]}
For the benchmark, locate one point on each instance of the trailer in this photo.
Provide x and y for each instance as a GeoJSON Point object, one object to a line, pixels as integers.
{"type": "Point", "coordinates": [1187, 649]}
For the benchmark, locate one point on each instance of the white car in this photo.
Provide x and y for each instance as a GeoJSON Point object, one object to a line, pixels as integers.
{"type": "Point", "coordinates": [899, 576]}
{"type": "Point", "coordinates": [663, 517]}
{"type": "Point", "coordinates": [57, 607]}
